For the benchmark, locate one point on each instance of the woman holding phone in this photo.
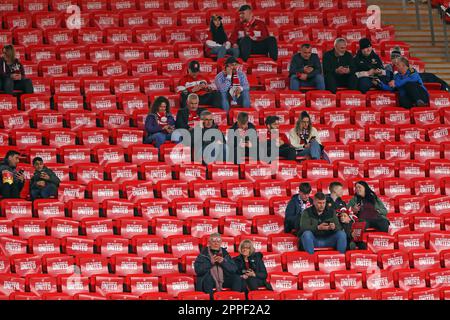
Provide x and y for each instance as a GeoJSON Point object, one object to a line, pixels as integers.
{"type": "Point", "coordinates": [12, 73]}
{"type": "Point", "coordinates": [368, 207]}
{"type": "Point", "coordinates": [250, 266]}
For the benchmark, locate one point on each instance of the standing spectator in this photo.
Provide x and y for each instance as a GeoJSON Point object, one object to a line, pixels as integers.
{"type": "Point", "coordinates": [196, 83]}
{"type": "Point", "coordinates": [250, 266]}
{"type": "Point", "coordinates": [282, 144]}
{"type": "Point", "coordinates": [305, 70]}
{"type": "Point", "coordinates": [159, 123]}
{"type": "Point", "coordinates": [305, 138]}
{"type": "Point", "coordinates": [320, 227]}
{"type": "Point", "coordinates": [252, 36]}
{"type": "Point", "coordinates": [368, 207]}
{"type": "Point", "coordinates": [44, 183]}
{"type": "Point", "coordinates": [216, 269]}
{"type": "Point", "coordinates": [12, 180]}
{"type": "Point", "coordinates": [368, 66]}
{"type": "Point", "coordinates": [298, 203]}
{"type": "Point", "coordinates": [409, 84]}
{"type": "Point", "coordinates": [188, 117]}
{"type": "Point", "coordinates": [233, 85]}
{"type": "Point", "coordinates": [242, 128]}
{"type": "Point", "coordinates": [338, 68]}
{"type": "Point", "coordinates": [217, 42]}
{"type": "Point", "coordinates": [12, 73]}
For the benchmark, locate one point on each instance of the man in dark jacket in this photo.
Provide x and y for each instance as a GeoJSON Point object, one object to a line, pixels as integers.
{"type": "Point", "coordinates": [305, 70]}
{"type": "Point", "coordinates": [282, 147]}
{"type": "Point", "coordinates": [368, 66]}
{"type": "Point", "coordinates": [44, 183]}
{"type": "Point", "coordinates": [298, 203]}
{"type": "Point", "coordinates": [320, 227]}
{"type": "Point", "coordinates": [216, 269]}
{"type": "Point", "coordinates": [187, 118]}
{"type": "Point", "coordinates": [338, 68]}
{"type": "Point", "coordinates": [245, 139]}
{"type": "Point", "coordinates": [12, 180]}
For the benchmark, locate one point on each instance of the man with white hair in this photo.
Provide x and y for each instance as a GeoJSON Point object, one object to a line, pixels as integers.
{"type": "Point", "coordinates": [216, 269]}
{"type": "Point", "coordinates": [338, 67]}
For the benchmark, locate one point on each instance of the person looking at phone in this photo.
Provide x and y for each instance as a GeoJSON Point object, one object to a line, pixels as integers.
{"type": "Point", "coordinates": [368, 207]}
{"type": "Point", "coordinates": [320, 227]}
{"type": "Point", "coordinates": [216, 269]}
{"type": "Point", "coordinates": [369, 67]}
{"type": "Point", "coordinates": [12, 72]}
{"type": "Point", "coordinates": [305, 138]}
{"type": "Point", "coordinates": [338, 68]}
{"type": "Point", "coordinates": [242, 129]}
{"type": "Point", "coordinates": [44, 183]}
{"type": "Point", "coordinates": [250, 267]}
{"type": "Point", "coordinates": [12, 179]}
{"type": "Point", "coordinates": [159, 123]}
{"type": "Point", "coordinates": [305, 70]}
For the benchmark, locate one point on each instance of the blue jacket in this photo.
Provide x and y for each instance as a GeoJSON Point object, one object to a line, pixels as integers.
{"type": "Point", "coordinates": [400, 80]}
{"type": "Point", "coordinates": [152, 126]}
{"type": "Point", "coordinates": [293, 213]}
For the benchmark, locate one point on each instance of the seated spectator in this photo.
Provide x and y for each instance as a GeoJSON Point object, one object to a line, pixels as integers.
{"type": "Point", "coordinates": [338, 68]}
{"type": "Point", "coordinates": [368, 66]}
{"type": "Point", "coordinates": [320, 227]}
{"type": "Point", "coordinates": [12, 73]}
{"type": "Point", "coordinates": [250, 266]}
{"type": "Point", "coordinates": [159, 123]}
{"type": "Point", "coordinates": [242, 129]}
{"type": "Point", "coordinates": [305, 138]}
{"type": "Point", "coordinates": [233, 85]}
{"type": "Point", "coordinates": [427, 77]}
{"type": "Point", "coordinates": [196, 83]}
{"type": "Point", "coordinates": [44, 183]}
{"type": "Point", "coordinates": [217, 42]}
{"type": "Point", "coordinates": [298, 203]}
{"type": "Point", "coordinates": [215, 268]}
{"type": "Point", "coordinates": [211, 149]}
{"type": "Point", "coordinates": [409, 84]}
{"type": "Point", "coordinates": [188, 117]}
{"type": "Point", "coordinates": [305, 70]}
{"type": "Point", "coordinates": [12, 180]}
{"type": "Point", "coordinates": [282, 144]}
{"type": "Point", "coordinates": [251, 36]}
{"type": "Point", "coordinates": [369, 208]}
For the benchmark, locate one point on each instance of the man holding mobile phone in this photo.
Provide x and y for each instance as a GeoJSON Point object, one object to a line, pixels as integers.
{"type": "Point", "coordinates": [305, 70]}
{"type": "Point", "coordinates": [12, 179]}
{"type": "Point", "coordinates": [44, 183]}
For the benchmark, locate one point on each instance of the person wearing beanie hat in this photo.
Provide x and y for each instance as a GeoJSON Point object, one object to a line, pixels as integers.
{"type": "Point", "coordinates": [338, 68]}
{"type": "Point", "coordinates": [369, 66]}
{"type": "Point", "coordinates": [305, 69]}
{"type": "Point", "coordinates": [233, 85]}
{"type": "Point", "coordinates": [282, 144]}
{"type": "Point", "coordinates": [195, 82]}
{"type": "Point", "coordinates": [251, 36]}
{"type": "Point", "coordinates": [217, 42]}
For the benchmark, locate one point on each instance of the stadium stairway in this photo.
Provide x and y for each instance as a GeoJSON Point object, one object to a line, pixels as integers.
{"type": "Point", "coordinates": [419, 40]}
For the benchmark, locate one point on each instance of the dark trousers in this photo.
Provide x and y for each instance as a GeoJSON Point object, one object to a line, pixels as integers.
{"type": "Point", "coordinates": [9, 85]}
{"type": "Point", "coordinates": [254, 283]}
{"type": "Point", "coordinates": [233, 281]}
{"type": "Point", "coordinates": [413, 93]}
{"type": "Point", "coordinates": [11, 191]}
{"type": "Point", "coordinates": [50, 190]}
{"type": "Point", "coordinates": [333, 81]}
{"type": "Point", "coordinates": [213, 99]}
{"type": "Point", "coordinates": [379, 224]}
{"type": "Point", "coordinates": [288, 152]}
{"type": "Point", "coordinates": [432, 78]}
{"type": "Point", "coordinates": [267, 46]}
{"type": "Point", "coordinates": [365, 83]}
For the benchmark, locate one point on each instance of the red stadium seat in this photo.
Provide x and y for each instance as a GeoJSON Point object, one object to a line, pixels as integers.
{"type": "Point", "coordinates": [56, 264]}
{"type": "Point", "coordinates": [25, 264]}
{"type": "Point", "coordinates": [234, 226]}
{"type": "Point", "coordinates": [62, 227]}
{"type": "Point", "coordinates": [95, 227]}
{"type": "Point", "coordinates": [220, 207]}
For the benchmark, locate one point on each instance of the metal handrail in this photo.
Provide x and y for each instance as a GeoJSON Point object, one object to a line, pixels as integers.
{"type": "Point", "coordinates": [444, 27]}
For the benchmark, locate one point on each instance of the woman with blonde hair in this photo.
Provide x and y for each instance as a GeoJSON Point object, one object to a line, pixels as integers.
{"type": "Point", "coordinates": [250, 266]}
{"type": "Point", "coordinates": [12, 73]}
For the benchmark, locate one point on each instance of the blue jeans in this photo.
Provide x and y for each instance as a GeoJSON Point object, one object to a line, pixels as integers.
{"type": "Point", "coordinates": [337, 240]}
{"type": "Point", "coordinates": [44, 193]}
{"type": "Point", "coordinates": [157, 138]}
{"type": "Point", "coordinates": [222, 51]}
{"type": "Point", "coordinates": [314, 150]}
{"type": "Point", "coordinates": [243, 100]}
{"type": "Point", "coordinates": [317, 81]}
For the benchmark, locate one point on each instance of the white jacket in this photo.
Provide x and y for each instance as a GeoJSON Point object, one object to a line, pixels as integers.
{"type": "Point", "coordinates": [295, 139]}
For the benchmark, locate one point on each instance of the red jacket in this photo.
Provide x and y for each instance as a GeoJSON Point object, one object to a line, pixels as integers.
{"type": "Point", "coordinates": [256, 29]}
{"type": "Point", "coordinates": [188, 82]}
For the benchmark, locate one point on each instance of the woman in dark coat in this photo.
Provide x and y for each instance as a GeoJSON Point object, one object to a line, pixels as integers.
{"type": "Point", "coordinates": [159, 123]}
{"type": "Point", "coordinates": [12, 72]}
{"type": "Point", "coordinates": [250, 266]}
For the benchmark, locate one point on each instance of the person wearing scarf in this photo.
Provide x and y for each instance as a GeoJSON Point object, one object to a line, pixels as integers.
{"type": "Point", "coordinates": [12, 73]}
{"type": "Point", "coordinates": [217, 42]}
{"type": "Point", "coordinates": [159, 123]}
{"type": "Point", "coordinates": [251, 36]}
{"type": "Point", "coordinates": [282, 144]}
{"type": "Point", "coordinates": [215, 268]}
